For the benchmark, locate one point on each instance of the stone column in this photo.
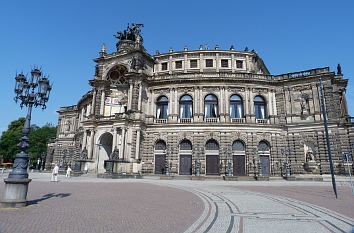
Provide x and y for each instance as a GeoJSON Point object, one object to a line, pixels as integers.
{"type": "Point", "coordinates": [114, 143]}
{"type": "Point", "coordinates": [221, 105]}
{"type": "Point", "coordinates": [176, 101]}
{"type": "Point", "coordinates": [270, 104]}
{"type": "Point", "coordinates": [227, 104]}
{"type": "Point", "coordinates": [130, 95]}
{"type": "Point", "coordinates": [121, 151]}
{"type": "Point", "coordinates": [246, 101]}
{"type": "Point", "coordinates": [91, 145]}
{"type": "Point", "coordinates": [103, 96]}
{"type": "Point", "coordinates": [201, 105]}
{"type": "Point", "coordinates": [84, 140]}
{"type": "Point", "coordinates": [140, 97]}
{"type": "Point", "coordinates": [195, 103]}
{"type": "Point", "coordinates": [233, 63]}
{"type": "Point", "coordinates": [93, 102]}
{"type": "Point", "coordinates": [137, 148]}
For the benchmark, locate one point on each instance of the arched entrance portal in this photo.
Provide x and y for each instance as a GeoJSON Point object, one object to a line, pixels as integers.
{"type": "Point", "coordinates": [104, 150]}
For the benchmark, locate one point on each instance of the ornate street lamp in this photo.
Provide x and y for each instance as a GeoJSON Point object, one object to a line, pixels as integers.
{"type": "Point", "coordinates": [29, 92]}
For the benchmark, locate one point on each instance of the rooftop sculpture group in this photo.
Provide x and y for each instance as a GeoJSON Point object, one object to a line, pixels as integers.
{"type": "Point", "coordinates": [132, 33]}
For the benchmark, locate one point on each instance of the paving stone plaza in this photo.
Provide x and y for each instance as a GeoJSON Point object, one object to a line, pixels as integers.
{"type": "Point", "coordinates": [89, 204]}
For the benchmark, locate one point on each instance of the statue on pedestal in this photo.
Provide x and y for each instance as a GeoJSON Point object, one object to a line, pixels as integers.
{"type": "Point", "coordinates": [310, 165]}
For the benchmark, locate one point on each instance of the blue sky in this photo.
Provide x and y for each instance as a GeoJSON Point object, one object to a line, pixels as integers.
{"type": "Point", "coordinates": [63, 37]}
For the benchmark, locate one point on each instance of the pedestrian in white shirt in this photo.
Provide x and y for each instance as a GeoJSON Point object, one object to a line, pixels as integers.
{"type": "Point", "coordinates": [68, 171]}
{"type": "Point", "coordinates": [55, 173]}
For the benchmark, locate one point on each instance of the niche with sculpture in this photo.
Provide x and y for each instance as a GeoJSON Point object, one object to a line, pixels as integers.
{"type": "Point", "coordinates": [310, 164]}
{"type": "Point", "coordinates": [304, 105]}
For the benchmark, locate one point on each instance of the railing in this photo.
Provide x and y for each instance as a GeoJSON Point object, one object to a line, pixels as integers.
{"type": "Point", "coordinates": [185, 120]}
{"type": "Point", "coordinates": [211, 120]}
{"type": "Point", "coordinates": [262, 121]}
{"type": "Point", "coordinates": [237, 120]}
{"type": "Point", "coordinates": [209, 75]}
{"type": "Point", "coordinates": [161, 121]}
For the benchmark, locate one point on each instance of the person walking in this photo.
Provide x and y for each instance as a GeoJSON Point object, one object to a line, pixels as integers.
{"type": "Point", "coordinates": [68, 171]}
{"type": "Point", "coordinates": [55, 173]}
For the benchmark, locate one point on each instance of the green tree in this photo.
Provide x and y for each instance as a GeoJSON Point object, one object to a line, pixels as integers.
{"type": "Point", "coordinates": [39, 138]}
{"type": "Point", "coordinates": [10, 138]}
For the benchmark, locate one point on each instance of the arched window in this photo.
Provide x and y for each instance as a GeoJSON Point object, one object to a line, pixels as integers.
{"type": "Point", "coordinates": [186, 107]}
{"type": "Point", "coordinates": [238, 145]}
{"type": "Point", "coordinates": [185, 145]}
{"type": "Point", "coordinates": [236, 107]}
{"type": "Point", "coordinates": [160, 145]}
{"type": "Point", "coordinates": [263, 147]}
{"type": "Point", "coordinates": [212, 145]}
{"type": "Point", "coordinates": [259, 107]}
{"type": "Point", "coordinates": [211, 106]}
{"type": "Point", "coordinates": [162, 107]}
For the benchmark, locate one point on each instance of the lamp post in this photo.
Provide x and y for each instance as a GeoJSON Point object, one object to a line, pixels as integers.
{"type": "Point", "coordinates": [324, 113]}
{"type": "Point", "coordinates": [29, 92]}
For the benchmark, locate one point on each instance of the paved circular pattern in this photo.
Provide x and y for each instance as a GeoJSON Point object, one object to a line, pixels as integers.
{"type": "Point", "coordinates": [232, 209]}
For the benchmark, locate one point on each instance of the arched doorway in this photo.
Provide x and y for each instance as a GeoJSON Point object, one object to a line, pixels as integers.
{"type": "Point", "coordinates": [160, 157]}
{"type": "Point", "coordinates": [264, 158]}
{"type": "Point", "coordinates": [104, 150]}
{"type": "Point", "coordinates": [212, 157]}
{"type": "Point", "coordinates": [239, 160]}
{"type": "Point", "coordinates": [185, 157]}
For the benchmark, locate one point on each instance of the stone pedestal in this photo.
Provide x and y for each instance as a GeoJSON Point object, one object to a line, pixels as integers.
{"type": "Point", "coordinates": [15, 195]}
{"type": "Point", "coordinates": [310, 166]}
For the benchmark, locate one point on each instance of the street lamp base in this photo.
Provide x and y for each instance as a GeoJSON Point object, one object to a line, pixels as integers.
{"type": "Point", "coordinates": [15, 195]}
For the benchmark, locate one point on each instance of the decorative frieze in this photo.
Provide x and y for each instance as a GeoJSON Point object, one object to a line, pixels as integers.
{"type": "Point", "coordinates": [236, 89]}
{"type": "Point", "coordinates": [260, 90]}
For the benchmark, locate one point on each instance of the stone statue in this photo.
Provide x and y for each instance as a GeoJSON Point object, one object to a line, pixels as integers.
{"type": "Point", "coordinates": [133, 33]}
{"type": "Point", "coordinates": [83, 154]}
{"type": "Point", "coordinates": [137, 63]}
{"type": "Point", "coordinates": [67, 125]}
{"type": "Point", "coordinates": [339, 69]}
{"type": "Point", "coordinates": [303, 104]}
{"type": "Point", "coordinates": [114, 155]}
{"type": "Point", "coordinates": [309, 155]}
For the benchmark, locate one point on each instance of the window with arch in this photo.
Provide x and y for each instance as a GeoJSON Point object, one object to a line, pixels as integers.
{"type": "Point", "coordinates": [186, 107]}
{"type": "Point", "coordinates": [263, 147]}
{"type": "Point", "coordinates": [212, 145]}
{"type": "Point", "coordinates": [238, 145]}
{"type": "Point", "coordinates": [259, 107]}
{"type": "Point", "coordinates": [162, 107]}
{"type": "Point", "coordinates": [160, 145]}
{"type": "Point", "coordinates": [185, 145]}
{"type": "Point", "coordinates": [211, 109]}
{"type": "Point", "coordinates": [236, 106]}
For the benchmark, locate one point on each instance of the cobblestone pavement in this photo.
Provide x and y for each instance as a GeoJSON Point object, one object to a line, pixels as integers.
{"type": "Point", "coordinates": [152, 205]}
{"type": "Point", "coordinates": [102, 207]}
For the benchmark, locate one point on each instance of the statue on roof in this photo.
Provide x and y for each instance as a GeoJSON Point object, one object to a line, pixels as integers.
{"type": "Point", "coordinates": [130, 38]}
{"type": "Point", "coordinates": [339, 70]}
{"type": "Point", "coordinates": [133, 33]}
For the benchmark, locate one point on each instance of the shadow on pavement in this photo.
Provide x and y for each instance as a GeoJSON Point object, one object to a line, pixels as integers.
{"type": "Point", "coordinates": [47, 196]}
